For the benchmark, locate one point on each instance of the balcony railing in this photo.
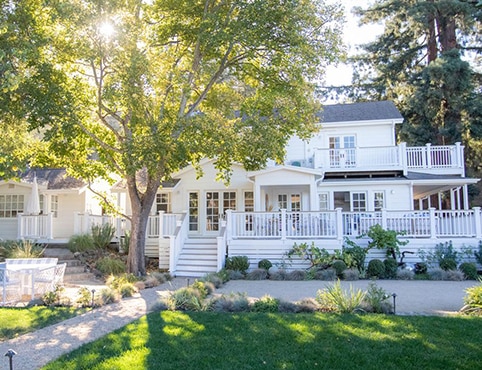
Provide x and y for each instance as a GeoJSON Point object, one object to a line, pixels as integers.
{"type": "Point", "coordinates": [448, 158]}
{"type": "Point", "coordinates": [337, 224]}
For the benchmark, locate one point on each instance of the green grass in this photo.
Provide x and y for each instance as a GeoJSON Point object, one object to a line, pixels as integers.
{"type": "Point", "coordinates": [206, 340]}
{"type": "Point", "coordinates": [17, 321]}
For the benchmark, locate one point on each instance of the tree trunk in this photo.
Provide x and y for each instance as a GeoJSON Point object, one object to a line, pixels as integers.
{"type": "Point", "coordinates": [446, 31]}
{"type": "Point", "coordinates": [141, 204]}
{"type": "Point", "coordinates": [431, 39]}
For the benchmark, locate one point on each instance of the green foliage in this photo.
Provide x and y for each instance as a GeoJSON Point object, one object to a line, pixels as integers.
{"type": "Point", "coordinates": [81, 243]}
{"type": "Point", "coordinates": [297, 275]}
{"type": "Point", "coordinates": [110, 266]}
{"type": "Point", "coordinates": [53, 298]}
{"type": "Point", "coordinates": [84, 297]}
{"type": "Point", "coordinates": [213, 278]}
{"type": "Point", "coordinates": [469, 269]}
{"type": "Point", "coordinates": [376, 268]}
{"type": "Point", "coordinates": [391, 267]}
{"type": "Point", "coordinates": [351, 274]}
{"type": "Point", "coordinates": [265, 264]}
{"type": "Point", "coordinates": [102, 235]}
{"type": "Point", "coordinates": [339, 266]}
{"type": "Point", "coordinates": [106, 296]}
{"type": "Point", "coordinates": [21, 249]}
{"type": "Point", "coordinates": [473, 300]}
{"type": "Point", "coordinates": [314, 255]}
{"type": "Point", "coordinates": [478, 254]}
{"type": "Point", "coordinates": [446, 264]}
{"type": "Point", "coordinates": [266, 304]}
{"type": "Point", "coordinates": [405, 274]}
{"type": "Point", "coordinates": [257, 274]}
{"type": "Point", "coordinates": [385, 239]}
{"type": "Point", "coordinates": [421, 268]}
{"type": "Point", "coordinates": [237, 263]}
{"type": "Point", "coordinates": [187, 299]}
{"type": "Point", "coordinates": [328, 274]}
{"type": "Point", "coordinates": [334, 298]}
{"type": "Point", "coordinates": [376, 299]}
{"type": "Point", "coordinates": [354, 255]}
{"type": "Point", "coordinates": [233, 302]}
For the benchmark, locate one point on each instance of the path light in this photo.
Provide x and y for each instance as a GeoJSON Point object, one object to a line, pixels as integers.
{"type": "Point", "coordinates": [394, 295]}
{"type": "Point", "coordinates": [93, 296]}
{"type": "Point", "coordinates": [10, 353]}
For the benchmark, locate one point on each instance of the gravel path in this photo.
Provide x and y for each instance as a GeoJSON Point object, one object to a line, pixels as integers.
{"type": "Point", "coordinates": [38, 348]}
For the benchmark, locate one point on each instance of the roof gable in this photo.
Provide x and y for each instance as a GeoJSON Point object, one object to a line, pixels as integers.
{"type": "Point", "coordinates": [366, 111]}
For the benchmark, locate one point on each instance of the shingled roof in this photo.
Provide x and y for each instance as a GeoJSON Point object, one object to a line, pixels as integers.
{"type": "Point", "coordinates": [366, 111]}
{"type": "Point", "coordinates": [53, 178]}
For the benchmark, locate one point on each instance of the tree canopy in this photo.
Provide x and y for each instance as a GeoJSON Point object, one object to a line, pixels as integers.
{"type": "Point", "coordinates": [147, 87]}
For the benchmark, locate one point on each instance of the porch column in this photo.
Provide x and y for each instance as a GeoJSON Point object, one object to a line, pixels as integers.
{"type": "Point", "coordinates": [478, 226]}
{"type": "Point", "coordinates": [229, 224]}
{"type": "Point", "coordinates": [257, 197]}
{"type": "Point", "coordinates": [433, 224]}
{"type": "Point", "coordinates": [428, 156]}
{"type": "Point", "coordinates": [314, 204]}
{"type": "Point", "coordinates": [283, 224]}
{"type": "Point", "coordinates": [452, 200]}
{"type": "Point", "coordinates": [339, 224]}
{"type": "Point", "coordinates": [402, 154]}
{"type": "Point", "coordinates": [466, 196]}
{"type": "Point", "coordinates": [161, 225]}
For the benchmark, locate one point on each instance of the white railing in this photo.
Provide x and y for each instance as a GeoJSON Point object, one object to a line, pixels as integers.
{"type": "Point", "coordinates": [35, 226]}
{"type": "Point", "coordinates": [337, 224]}
{"type": "Point", "coordinates": [391, 157]}
{"type": "Point", "coordinates": [83, 222]}
{"type": "Point", "coordinates": [176, 242]}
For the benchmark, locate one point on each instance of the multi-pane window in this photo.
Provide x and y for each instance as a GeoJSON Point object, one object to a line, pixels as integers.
{"type": "Point", "coordinates": [378, 200]}
{"type": "Point", "coordinates": [248, 201]}
{"type": "Point", "coordinates": [54, 205]}
{"type": "Point", "coordinates": [229, 200]}
{"type": "Point", "coordinates": [163, 202]}
{"type": "Point", "coordinates": [283, 201]}
{"type": "Point", "coordinates": [11, 205]}
{"type": "Point", "coordinates": [193, 211]}
{"type": "Point", "coordinates": [323, 201]}
{"type": "Point", "coordinates": [359, 202]}
{"type": "Point", "coordinates": [295, 202]}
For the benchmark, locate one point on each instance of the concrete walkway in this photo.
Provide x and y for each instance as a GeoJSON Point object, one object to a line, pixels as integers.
{"type": "Point", "coordinates": [42, 346]}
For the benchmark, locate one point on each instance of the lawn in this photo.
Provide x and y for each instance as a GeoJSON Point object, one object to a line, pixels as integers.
{"type": "Point", "coordinates": [207, 340]}
{"type": "Point", "coordinates": [17, 321]}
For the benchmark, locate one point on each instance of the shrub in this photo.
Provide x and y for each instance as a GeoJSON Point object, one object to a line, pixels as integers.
{"type": "Point", "coordinates": [339, 266]}
{"type": "Point", "coordinates": [437, 274]}
{"type": "Point", "coordinates": [81, 243]}
{"type": "Point", "coordinates": [186, 299]}
{"type": "Point", "coordinates": [351, 274]}
{"type": "Point", "coordinates": [473, 300]}
{"type": "Point", "coordinates": [279, 275]}
{"type": "Point", "coordinates": [238, 263]}
{"type": "Point", "coordinates": [266, 304]}
{"type": "Point", "coordinates": [53, 298]}
{"type": "Point", "coordinates": [110, 266]}
{"type": "Point", "coordinates": [159, 276]}
{"type": "Point", "coordinates": [354, 255]}
{"type": "Point", "coordinates": [375, 268]}
{"type": "Point", "coordinates": [26, 249]}
{"type": "Point", "coordinates": [307, 305]}
{"type": "Point", "coordinates": [102, 235]}
{"type": "Point", "coordinates": [235, 275]}
{"type": "Point", "coordinates": [334, 298]}
{"type": "Point", "coordinates": [126, 290]}
{"type": "Point", "coordinates": [478, 254]}
{"type": "Point", "coordinates": [224, 275]}
{"type": "Point", "coordinates": [287, 307]}
{"type": "Point", "coordinates": [376, 300]}
{"type": "Point", "coordinates": [234, 302]}
{"type": "Point", "coordinates": [314, 255]}
{"type": "Point", "coordinates": [107, 296]}
{"type": "Point", "coordinates": [385, 239]}
{"type": "Point", "coordinates": [405, 274]}
{"type": "Point", "coordinates": [469, 269]}
{"type": "Point", "coordinates": [257, 274]}
{"type": "Point", "coordinates": [85, 297]}
{"type": "Point", "coordinates": [391, 267]}
{"type": "Point", "coordinates": [297, 275]}
{"type": "Point", "coordinates": [214, 279]}
{"type": "Point", "coordinates": [326, 274]}
{"type": "Point", "coordinates": [421, 268]}
{"type": "Point", "coordinates": [454, 275]}
{"type": "Point", "coordinates": [448, 263]}
{"type": "Point", "coordinates": [265, 264]}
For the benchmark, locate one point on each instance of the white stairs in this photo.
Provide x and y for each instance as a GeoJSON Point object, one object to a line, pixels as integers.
{"type": "Point", "coordinates": [198, 257]}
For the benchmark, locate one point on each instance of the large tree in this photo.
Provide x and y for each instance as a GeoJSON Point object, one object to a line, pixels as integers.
{"type": "Point", "coordinates": [143, 88]}
{"type": "Point", "coordinates": [426, 61]}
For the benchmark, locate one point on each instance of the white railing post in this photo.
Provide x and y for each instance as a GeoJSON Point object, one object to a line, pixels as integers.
{"type": "Point", "coordinates": [433, 225]}
{"type": "Point", "coordinates": [402, 154]}
{"type": "Point", "coordinates": [283, 224]}
{"type": "Point", "coordinates": [229, 224]}
{"type": "Point", "coordinates": [478, 226]}
{"type": "Point", "coordinates": [339, 224]}
{"type": "Point", "coordinates": [428, 156]}
{"type": "Point", "coordinates": [161, 225]}
{"type": "Point", "coordinates": [384, 219]}
{"type": "Point", "coordinates": [20, 226]}
{"type": "Point", "coordinates": [50, 226]}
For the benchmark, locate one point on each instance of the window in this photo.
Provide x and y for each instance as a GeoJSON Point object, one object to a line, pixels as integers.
{"type": "Point", "coordinates": [359, 202]}
{"type": "Point", "coordinates": [378, 200]}
{"type": "Point", "coordinates": [248, 201]}
{"type": "Point", "coordinates": [11, 205]}
{"type": "Point", "coordinates": [282, 201]}
{"type": "Point", "coordinates": [163, 202]}
{"type": "Point", "coordinates": [54, 205]}
{"type": "Point", "coordinates": [193, 211]}
{"type": "Point", "coordinates": [323, 201]}
{"type": "Point", "coordinates": [229, 200]}
{"type": "Point", "coordinates": [295, 202]}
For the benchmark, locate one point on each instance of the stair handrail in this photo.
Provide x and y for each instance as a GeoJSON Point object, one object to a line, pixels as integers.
{"type": "Point", "coordinates": [221, 240]}
{"type": "Point", "coordinates": [176, 242]}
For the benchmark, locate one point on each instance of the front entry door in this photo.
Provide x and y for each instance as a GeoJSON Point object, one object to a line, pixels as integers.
{"type": "Point", "coordinates": [216, 204]}
{"type": "Point", "coordinates": [342, 151]}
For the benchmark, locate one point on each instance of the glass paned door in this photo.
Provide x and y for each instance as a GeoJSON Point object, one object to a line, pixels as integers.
{"type": "Point", "coordinates": [212, 211]}
{"type": "Point", "coordinates": [342, 151]}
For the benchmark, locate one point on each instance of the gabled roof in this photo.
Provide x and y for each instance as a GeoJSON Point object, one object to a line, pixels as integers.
{"type": "Point", "coordinates": [52, 179]}
{"type": "Point", "coordinates": [286, 168]}
{"type": "Point", "coordinates": [366, 111]}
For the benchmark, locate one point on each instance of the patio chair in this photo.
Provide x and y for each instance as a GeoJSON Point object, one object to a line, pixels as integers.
{"type": "Point", "coordinates": [11, 286]}
{"type": "Point", "coordinates": [47, 279]}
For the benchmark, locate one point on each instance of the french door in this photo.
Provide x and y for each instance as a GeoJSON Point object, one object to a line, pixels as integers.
{"type": "Point", "coordinates": [342, 151]}
{"type": "Point", "coordinates": [216, 204]}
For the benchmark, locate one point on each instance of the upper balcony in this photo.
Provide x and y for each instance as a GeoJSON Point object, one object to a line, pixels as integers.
{"type": "Point", "coordinates": [440, 160]}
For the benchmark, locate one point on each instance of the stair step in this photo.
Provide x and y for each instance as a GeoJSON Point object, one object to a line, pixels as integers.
{"type": "Point", "coordinates": [70, 263]}
{"type": "Point", "coordinates": [77, 277]}
{"type": "Point", "coordinates": [74, 269]}
{"type": "Point", "coordinates": [197, 263]}
{"type": "Point", "coordinates": [60, 253]}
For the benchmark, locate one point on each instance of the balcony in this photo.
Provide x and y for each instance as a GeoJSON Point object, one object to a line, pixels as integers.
{"type": "Point", "coordinates": [441, 160]}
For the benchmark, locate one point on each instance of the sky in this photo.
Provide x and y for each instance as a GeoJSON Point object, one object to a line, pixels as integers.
{"type": "Point", "coordinates": [353, 35]}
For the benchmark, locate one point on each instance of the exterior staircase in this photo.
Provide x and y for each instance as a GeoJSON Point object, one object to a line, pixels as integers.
{"type": "Point", "coordinates": [75, 271]}
{"type": "Point", "coordinates": [198, 257]}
